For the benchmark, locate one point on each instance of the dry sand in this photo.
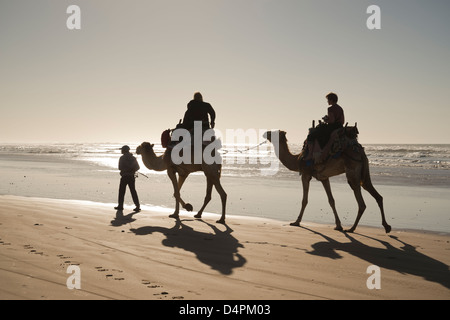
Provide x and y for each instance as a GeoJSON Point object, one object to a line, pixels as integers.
{"type": "Point", "coordinates": [151, 256]}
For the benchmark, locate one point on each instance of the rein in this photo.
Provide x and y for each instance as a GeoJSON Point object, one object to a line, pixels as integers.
{"type": "Point", "coordinates": [254, 147]}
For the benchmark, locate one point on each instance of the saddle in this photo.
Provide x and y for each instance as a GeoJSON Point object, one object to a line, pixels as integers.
{"type": "Point", "coordinates": [340, 139]}
{"type": "Point", "coordinates": [166, 139]}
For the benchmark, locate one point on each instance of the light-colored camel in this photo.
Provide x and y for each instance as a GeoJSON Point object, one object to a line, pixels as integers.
{"type": "Point", "coordinates": [164, 162]}
{"type": "Point", "coordinates": [354, 164]}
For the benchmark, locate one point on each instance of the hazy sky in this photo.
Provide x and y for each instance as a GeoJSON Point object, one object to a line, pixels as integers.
{"type": "Point", "coordinates": [130, 71]}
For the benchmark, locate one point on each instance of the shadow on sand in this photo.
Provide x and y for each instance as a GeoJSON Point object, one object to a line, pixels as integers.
{"type": "Point", "coordinates": [406, 260]}
{"type": "Point", "coordinates": [218, 250]}
{"type": "Point", "coordinates": [121, 220]}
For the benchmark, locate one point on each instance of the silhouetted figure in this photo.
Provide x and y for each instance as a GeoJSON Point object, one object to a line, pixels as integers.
{"type": "Point", "coordinates": [335, 117]}
{"type": "Point", "coordinates": [319, 136]}
{"type": "Point", "coordinates": [128, 167]}
{"type": "Point", "coordinates": [198, 110]}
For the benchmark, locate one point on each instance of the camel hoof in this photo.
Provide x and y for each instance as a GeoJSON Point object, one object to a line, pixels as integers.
{"type": "Point", "coordinates": [222, 221]}
{"type": "Point", "coordinates": [188, 207]}
{"type": "Point", "coordinates": [198, 216]}
{"type": "Point", "coordinates": [295, 224]}
{"type": "Point", "coordinates": [339, 228]}
{"type": "Point", "coordinates": [349, 230]}
{"type": "Point", "coordinates": [387, 228]}
{"type": "Point", "coordinates": [175, 216]}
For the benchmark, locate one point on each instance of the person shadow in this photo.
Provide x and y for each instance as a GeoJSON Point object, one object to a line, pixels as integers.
{"type": "Point", "coordinates": [120, 219]}
{"type": "Point", "coordinates": [218, 250]}
{"type": "Point", "coordinates": [405, 260]}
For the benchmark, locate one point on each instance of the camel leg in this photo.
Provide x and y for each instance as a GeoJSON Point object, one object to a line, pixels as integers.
{"type": "Point", "coordinates": [209, 186]}
{"type": "Point", "coordinates": [223, 198]}
{"type": "Point", "coordinates": [361, 205]}
{"type": "Point", "coordinates": [371, 189]}
{"type": "Point", "coordinates": [326, 185]}
{"type": "Point", "coordinates": [176, 194]}
{"type": "Point", "coordinates": [181, 179]}
{"type": "Point", "coordinates": [305, 182]}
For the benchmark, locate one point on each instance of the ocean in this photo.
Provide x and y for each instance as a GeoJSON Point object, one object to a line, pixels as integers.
{"type": "Point", "coordinates": [391, 164]}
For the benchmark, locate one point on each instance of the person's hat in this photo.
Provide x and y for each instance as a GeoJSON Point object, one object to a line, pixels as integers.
{"type": "Point", "coordinates": [125, 148]}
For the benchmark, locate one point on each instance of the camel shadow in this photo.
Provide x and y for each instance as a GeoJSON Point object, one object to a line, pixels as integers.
{"type": "Point", "coordinates": [218, 250]}
{"type": "Point", "coordinates": [405, 260]}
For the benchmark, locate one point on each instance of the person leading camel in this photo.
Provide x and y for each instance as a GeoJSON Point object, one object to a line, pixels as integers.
{"type": "Point", "coordinates": [128, 167]}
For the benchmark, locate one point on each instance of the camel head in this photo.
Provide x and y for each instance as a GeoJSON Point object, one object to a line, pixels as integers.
{"type": "Point", "coordinates": [281, 135]}
{"type": "Point", "coordinates": [144, 147]}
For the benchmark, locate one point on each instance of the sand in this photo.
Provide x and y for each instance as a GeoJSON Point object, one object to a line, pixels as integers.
{"type": "Point", "coordinates": [151, 256]}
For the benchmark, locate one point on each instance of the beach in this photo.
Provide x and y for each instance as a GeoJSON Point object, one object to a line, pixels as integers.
{"type": "Point", "coordinates": [300, 102]}
{"type": "Point", "coordinates": [414, 198]}
{"type": "Point", "coordinates": [151, 256]}
{"type": "Point", "coordinates": [57, 213]}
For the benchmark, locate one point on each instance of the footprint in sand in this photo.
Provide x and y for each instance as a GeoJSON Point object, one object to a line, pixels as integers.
{"type": "Point", "coordinates": [149, 284]}
{"type": "Point", "coordinates": [32, 249]}
{"type": "Point", "coordinates": [63, 257]}
{"type": "Point", "coordinates": [110, 275]}
{"type": "Point", "coordinates": [163, 293]}
{"type": "Point", "coordinates": [101, 269]}
{"type": "Point", "coordinates": [66, 261]}
{"type": "Point", "coordinates": [5, 243]}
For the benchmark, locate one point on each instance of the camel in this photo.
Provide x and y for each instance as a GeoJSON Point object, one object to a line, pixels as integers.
{"type": "Point", "coordinates": [354, 164]}
{"type": "Point", "coordinates": [164, 162]}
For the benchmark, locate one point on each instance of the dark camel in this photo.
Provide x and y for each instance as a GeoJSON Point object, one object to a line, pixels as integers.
{"type": "Point", "coordinates": [355, 165]}
{"type": "Point", "coordinates": [164, 162]}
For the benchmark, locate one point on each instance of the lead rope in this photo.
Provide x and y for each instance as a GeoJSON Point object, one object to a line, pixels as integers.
{"type": "Point", "coordinates": [250, 148]}
{"type": "Point", "coordinates": [245, 150]}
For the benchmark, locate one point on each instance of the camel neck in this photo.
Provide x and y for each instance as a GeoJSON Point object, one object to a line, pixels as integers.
{"type": "Point", "coordinates": [289, 160]}
{"type": "Point", "coordinates": [153, 162]}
